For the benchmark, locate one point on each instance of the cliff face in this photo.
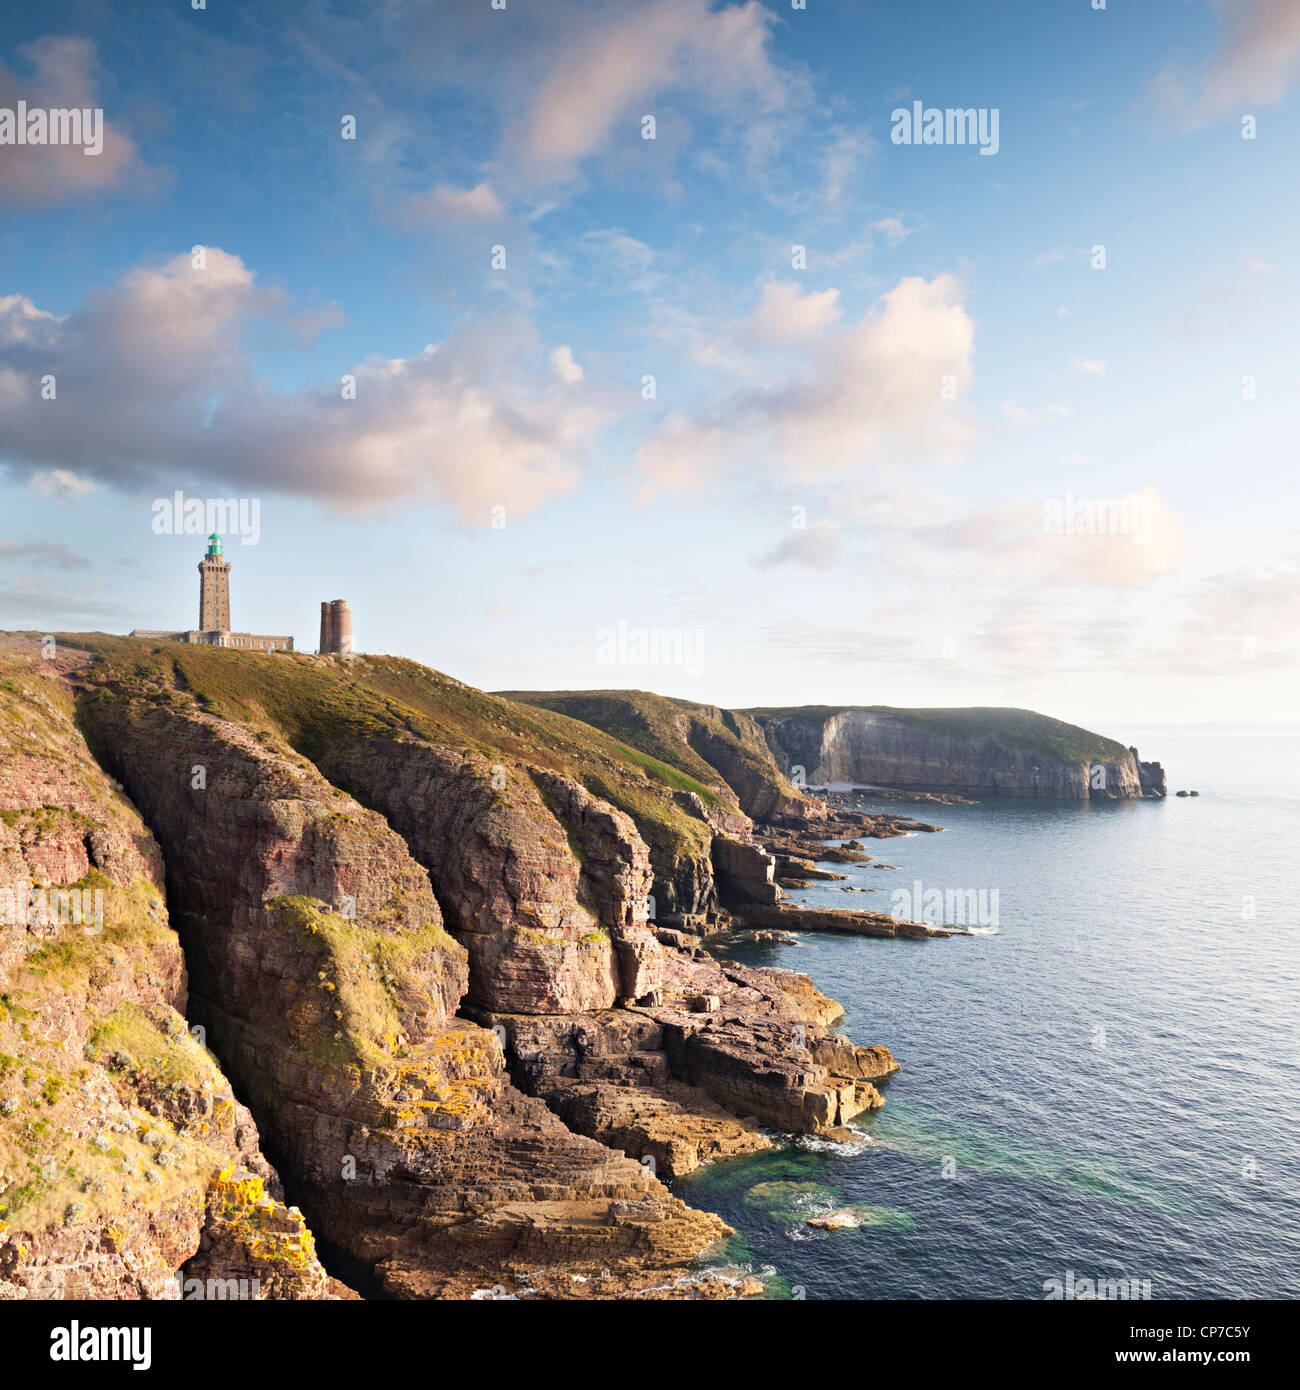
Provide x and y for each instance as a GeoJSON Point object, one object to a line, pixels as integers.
{"type": "Point", "coordinates": [327, 983]}
{"type": "Point", "coordinates": [671, 1081]}
{"type": "Point", "coordinates": [127, 1167]}
{"type": "Point", "coordinates": [414, 923]}
{"type": "Point", "coordinates": [325, 707]}
{"type": "Point", "coordinates": [544, 884]}
{"type": "Point", "coordinates": [735, 746]}
{"type": "Point", "coordinates": [973, 752]}
{"type": "Point", "coordinates": [674, 813]}
{"type": "Point", "coordinates": [1151, 776]}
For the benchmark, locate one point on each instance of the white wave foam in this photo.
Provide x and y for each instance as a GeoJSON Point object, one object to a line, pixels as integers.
{"type": "Point", "coordinates": [822, 1144]}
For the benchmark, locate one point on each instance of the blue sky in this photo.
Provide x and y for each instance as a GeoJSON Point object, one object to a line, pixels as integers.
{"type": "Point", "coordinates": [839, 489]}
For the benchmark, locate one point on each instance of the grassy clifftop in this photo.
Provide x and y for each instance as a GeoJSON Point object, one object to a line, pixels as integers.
{"type": "Point", "coordinates": [318, 702]}
{"type": "Point", "coordinates": [721, 749]}
{"type": "Point", "coordinates": [632, 748]}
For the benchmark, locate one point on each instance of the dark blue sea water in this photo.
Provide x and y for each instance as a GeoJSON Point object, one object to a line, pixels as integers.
{"type": "Point", "coordinates": [1111, 1083]}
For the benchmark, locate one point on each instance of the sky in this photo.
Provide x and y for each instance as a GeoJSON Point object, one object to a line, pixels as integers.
{"type": "Point", "coordinates": [603, 345]}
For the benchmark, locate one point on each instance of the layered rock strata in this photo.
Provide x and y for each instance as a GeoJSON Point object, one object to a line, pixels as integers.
{"type": "Point", "coordinates": [327, 982]}
{"type": "Point", "coordinates": [728, 1051]}
{"type": "Point", "coordinates": [429, 968]}
{"type": "Point", "coordinates": [545, 885]}
{"type": "Point", "coordinates": [119, 1134]}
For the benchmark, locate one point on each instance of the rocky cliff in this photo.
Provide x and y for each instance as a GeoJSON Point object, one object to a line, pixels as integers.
{"type": "Point", "coordinates": [975, 752]}
{"type": "Point", "coordinates": [424, 962]}
{"type": "Point", "coordinates": [322, 709]}
{"type": "Point", "coordinates": [328, 984]}
{"type": "Point", "coordinates": [1151, 776]}
{"type": "Point", "coordinates": [128, 1168]}
{"type": "Point", "coordinates": [417, 924]}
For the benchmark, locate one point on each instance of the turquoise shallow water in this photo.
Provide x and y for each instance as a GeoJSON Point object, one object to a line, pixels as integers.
{"type": "Point", "coordinates": [1111, 1082]}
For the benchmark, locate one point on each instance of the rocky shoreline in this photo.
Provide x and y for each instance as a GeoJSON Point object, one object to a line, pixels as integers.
{"type": "Point", "coordinates": [796, 861]}
{"type": "Point", "coordinates": [479, 1087]}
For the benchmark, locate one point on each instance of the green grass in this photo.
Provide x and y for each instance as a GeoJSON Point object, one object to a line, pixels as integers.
{"type": "Point", "coordinates": [319, 705]}
{"type": "Point", "coordinates": [170, 1056]}
{"type": "Point", "coordinates": [351, 1013]}
{"type": "Point", "coordinates": [706, 746]}
{"type": "Point", "coordinates": [79, 956]}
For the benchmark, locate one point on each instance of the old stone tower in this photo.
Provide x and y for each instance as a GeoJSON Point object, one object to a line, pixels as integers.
{"type": "Point", "coordinates": [335, 628]}
{"type": "Point", "coordinates": [214, 589]}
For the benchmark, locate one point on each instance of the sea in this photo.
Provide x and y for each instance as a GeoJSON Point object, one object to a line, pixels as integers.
{"type": "Point", "coordinates": [1099, 1088]}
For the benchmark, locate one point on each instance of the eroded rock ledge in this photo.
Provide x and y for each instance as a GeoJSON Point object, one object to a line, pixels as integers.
{"type": "Point", "coordinates": [697, 1076]}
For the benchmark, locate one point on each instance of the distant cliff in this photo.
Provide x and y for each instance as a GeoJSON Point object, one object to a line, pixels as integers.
{"type": "Point", "coordinates": [976, 752]}
{"type": "Point", "coordinates": [723, 750]}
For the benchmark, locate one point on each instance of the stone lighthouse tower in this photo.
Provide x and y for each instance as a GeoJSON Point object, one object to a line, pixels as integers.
{"type": "Point", "coordinates": [214, 611]}
{"type": "Point", "coordinates": [214, 588]}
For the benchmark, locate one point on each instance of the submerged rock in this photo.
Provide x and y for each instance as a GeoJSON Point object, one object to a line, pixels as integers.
{"type": "Point", "coordinates": [852, 1218]}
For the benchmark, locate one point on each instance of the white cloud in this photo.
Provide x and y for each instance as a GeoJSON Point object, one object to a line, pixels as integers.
{"type": "Point", "coordinates": [847, 152]}
{"type": "Point", "coordinates": [462, 206]}
{"type": "Point", "coordinates": [48, 603]}
{"type": "Point", "coordinates": [1247, 616]}
{"type": "Point", "coordinates": [63, 75]}
{"type": "Point", "coordinates": [43, 553]}
{"type": "Point", "coordinates": [312, 321]}
{"type": "Point", "coordinates": [1154, 544]}
{"type": "Point", "coordinates": [1057, 255]}
{"type": "Point", "coordinates": [569, 371]}
{"type": "Point", "coordinates": [861, 388]}
{"type": "Point", "coordinates": [786, 314]}
{"type": "Point", "coordinates": [1256, 61]}
{"type": "Point", "coordinates": [60, 485]}
{"type": "Point", "coordinates": [615, 62]}
{"type": "Point", "coordinates": [1120, 542]}
{"type": "Point", "coordinates": [619, 251]}
{"type": "Point", "coordinates": [154, 384]}
{"type": "Point", "coordinates": [22, 322]}
{"type": "Point", "coordinates": [815, 547]}
{"type": "Point", "coordinates": [893, 229]}
{"type": "Point", "coordinates": [1089, 366]}
{"type": "Point", "coordinates": [1258, 56]}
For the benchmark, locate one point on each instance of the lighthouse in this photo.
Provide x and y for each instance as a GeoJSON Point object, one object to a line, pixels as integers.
{"type": "Point", "coordinates": [214, 612]}
{"type": "Point", "coordinates": [214, 589]}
